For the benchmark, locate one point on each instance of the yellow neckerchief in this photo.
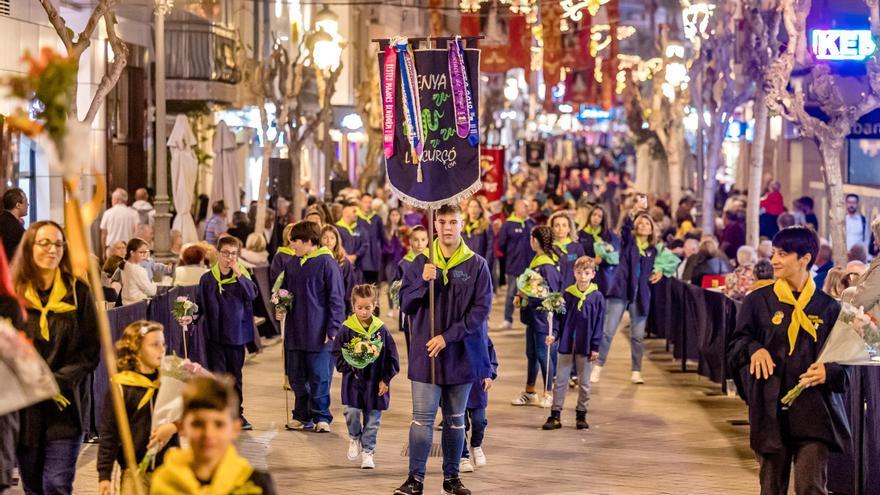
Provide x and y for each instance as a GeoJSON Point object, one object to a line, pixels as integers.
{"type": "Point", "coordinates": [461, 254]}
{"type": "Point", "coordinates": [355, 325]}
{"type": "Point", "coordinates": [285, 250]}
{"type": "Point", "coordinates": [516, 219]}
{"type": "Point", "coordinates": [541, 259]}
{"type": "Point", "coordinates": [55, 304]}
{"type": "Point", "coordinates": [411, 255]}
{"type": "Point", "coordinates": [798, 316]}
{"type": "Point", "coordinates": [582, 296]}
{"type": "Point", "coordinates": [563, 244]}
{"type": "Point", "coordinates": [758, 284]}
{"type": "Point", "coordinates": [231, 279]}
{"type": "Point", "coordinates": [471, 226]}
{"type": "Point", "coordinates": [594, 231]}
{"type": "Point", "coordinates": [349, 228]}
{"type": "Point", "coordinates": [367, 218]}
{"type": "Point", "coordinates": [642, 245]}
{"type": "Point", "coordinates": [321, 251]}
{"type": "Point", "coordinates": [176, 477]}
{"type": "Point", "coordinates": [135, 379]}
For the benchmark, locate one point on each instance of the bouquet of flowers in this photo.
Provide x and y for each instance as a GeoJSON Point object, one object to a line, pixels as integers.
{"type": "Point", "coordinates": [283, 300]}
{"type": "Point", "coordinates": [855, 339]}
{"type": "Point", "coordinates": [26, 378]}
{"type": "Point", "coordinates": [554, 303]}
{"type": "Point", "coordinates": [532, 284]}
{"type": "Point", "coordinates": [394, 292]}
{"type": "Point", "coordinates": [361, 352]}
{"type": "Point", "coordinates": [173, 375]}
{"type": "Point", "coordinates": [606, 251]}
{"type": "Point", "coordinates": [183, 308]}
{"type": "Point", "coordinates": [666, 262]}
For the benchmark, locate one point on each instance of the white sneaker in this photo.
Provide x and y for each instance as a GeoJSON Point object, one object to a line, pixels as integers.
{"type": "Point", "coordinates": [595, 374]}
{"type": "Point", "coordinates": [354, 449]}
{"type": "Point", "coordinates": [636, 378]}
{"type": "Point", "coordinates": [507, 325]}
{"type": "Point", "coordinates": [465, 466]}
{"type": "Point", "coordinates": [295, 424]}
{"type": "Point", "coordinates": [367, 460]}
{"type": "Point", "coordinates": [479, 457]}
{"type": "Point", "coordinates": [322, 427]}
{"type": "Point", "coordinates": [547, 401]}
{"type": "Point", "coordinates": [526, 399]}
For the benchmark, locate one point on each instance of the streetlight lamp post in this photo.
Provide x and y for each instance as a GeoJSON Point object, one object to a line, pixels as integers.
{"type": "Point", "coordinates": [326, 51]}
{"type": "Point", "coordinates": [162, 226]}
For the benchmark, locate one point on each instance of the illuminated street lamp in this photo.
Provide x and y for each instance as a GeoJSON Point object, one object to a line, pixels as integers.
{"type": "Point", "coordinates": [327, 50]}
{"type": "Point", "coordinates": [327, 21]}
{"type": "Point", "coordinates": [676, 71]}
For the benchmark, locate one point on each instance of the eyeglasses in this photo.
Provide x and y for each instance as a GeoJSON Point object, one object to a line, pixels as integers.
{"type": "Point", "coordinates": [228, 254]}
{"type": "Point", "coordinates": [46, 244]}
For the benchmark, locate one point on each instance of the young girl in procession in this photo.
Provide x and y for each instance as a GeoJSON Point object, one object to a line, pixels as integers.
{"type": "Point", "coordinates": [394, 249]}
{"type": "Point", "coordinates": [139, 353]}
{"type": "Point", "coordinates": [537, 325]}
{"type": "Point", "coordinates": [210, 463]}
{"type": "Point", "coordinates": [563, 228]}
{"type": "Point", "coordinates": [477, 233]}
{"type": "Point", "coordinates": [282, 256]}
{"type": "Point", "coordinates": [631, 288]}
{"type": "Point", "coordinates": [331, 240]}
{"type": "Point", "coordinates": [365, 391]}
{"type": "Point", "coordinates": [475, 420]}
{"type": "Point", "coordinates": [598, 231]}
{"type": "Point", "coordinates": [418, 245]}
{"type": "Point", "coordinates": [579, 336]}
{"type": "Point", "coordinates": [354, 237]}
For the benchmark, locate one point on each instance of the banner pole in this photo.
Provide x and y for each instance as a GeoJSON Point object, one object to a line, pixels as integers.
{"type": "Point", "coordinates": [431, 284]}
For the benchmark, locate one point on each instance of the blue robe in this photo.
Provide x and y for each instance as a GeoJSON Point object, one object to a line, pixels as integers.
{"type": "Point", "coordinates": [402, 267]}
{"type": "Point", "coordinates": [605, 274]}
{"type": "Point", "coordinates": [227, 318]}
{"type": "Point", "coordinates": [374, 239]}
{"type": "Point", "coordinates": [514, 241]}
{"type": "Point", "coordinates": [580, 330]}
{"type": "Point", "coordinates": [356, 244]}
{"type": "Point", "coordinates": [631, 281]}
{"type": "Point", "coordinates": [479, 398]}
{"type": "Point", "coordinates": [350, 278]}
{"type": "Point", "coordinates": [277, 266]}
{"type": "Point", "coordinates": [318, 303]}
{"type": "Point", "coordinates": [571, 252]}
{"type": "Point", "coordinates": [360, 388]}
{"type": "Point", "coordinates": [531, 314]}
{"type": "Point", "coordinates": [481, 243]}
{"type": "Point", "coordinates": [461, 315]}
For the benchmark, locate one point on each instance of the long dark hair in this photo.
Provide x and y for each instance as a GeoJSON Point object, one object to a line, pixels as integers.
{"type": "Point", "coordinates": [24, 270]}
{"type": "Point", "coordinates": [605, 228]}
{"type": "Point", "coordinates": [544, 235]}
{"type": "Point", "coordinates": [133, 245]}
{"type": "Point", "coordinates": [390, 230]}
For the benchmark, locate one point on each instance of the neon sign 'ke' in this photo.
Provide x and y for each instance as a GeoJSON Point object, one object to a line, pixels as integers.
{"type": "Point", "coordinates": [842, 44]}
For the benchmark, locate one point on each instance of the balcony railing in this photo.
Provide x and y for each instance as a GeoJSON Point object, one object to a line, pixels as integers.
{"type": "Point", "coordinates": [200, 51]}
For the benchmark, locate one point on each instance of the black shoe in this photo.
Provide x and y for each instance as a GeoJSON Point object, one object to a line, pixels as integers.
{"type": "Point", "coordinates": [412, 486]}
{"type": "Point", "coordinates": [453, 486]}
{"type": "Point", "coordinates": [553, 421]}
{"type": "Point", "coordinates": [581, 421]}
{"type": "Point", "coordinates": [246, 425]}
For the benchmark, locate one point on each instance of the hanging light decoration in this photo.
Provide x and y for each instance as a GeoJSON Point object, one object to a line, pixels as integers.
{"type": "Point", "coordinates": [573, 9]}
{"type": "Point", "coordinates": [695, 16]}
{"type": "Point", "coordinates": [470, 6]}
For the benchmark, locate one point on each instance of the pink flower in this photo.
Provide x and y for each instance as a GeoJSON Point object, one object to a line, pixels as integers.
{"type": "Point", "coordinates": [182, 299]}
{"type": "Point", "coordinates": [283, 293]}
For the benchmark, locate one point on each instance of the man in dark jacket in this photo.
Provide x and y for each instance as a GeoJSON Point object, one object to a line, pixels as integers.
{"type": "Point", "coordinates": [779, 333]}
{"type": "Point", "coordinates": [734, 234]}
{"type": "Point", "coordinates": [15, 207]}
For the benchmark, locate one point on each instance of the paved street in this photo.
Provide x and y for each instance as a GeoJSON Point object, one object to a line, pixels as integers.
{"type": "Point", "coordinates": [667, 436]}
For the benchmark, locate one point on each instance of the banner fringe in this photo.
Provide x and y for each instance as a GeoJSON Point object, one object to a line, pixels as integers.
{"type": "Point", "coordinates": [424, 205]}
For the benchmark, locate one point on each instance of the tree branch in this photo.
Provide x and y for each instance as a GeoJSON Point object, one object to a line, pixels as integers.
{"type": "Point", "coordinates": [58, 23]}
{"type": "Point", "coordinates": [111, 77]}
{"type": "Point", "coordinates": [84, 40]}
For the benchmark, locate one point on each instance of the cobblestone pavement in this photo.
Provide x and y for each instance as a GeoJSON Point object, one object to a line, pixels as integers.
{"type": "Point", "coordinates": [671, 435]}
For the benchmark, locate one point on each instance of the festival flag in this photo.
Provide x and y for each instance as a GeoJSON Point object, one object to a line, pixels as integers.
{"type": "Point", "coordinates": [492, 170]}
{"type": "Point", "coordinates": [551, 14]}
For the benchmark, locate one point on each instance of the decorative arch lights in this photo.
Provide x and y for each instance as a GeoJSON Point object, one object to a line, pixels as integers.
{"type": "Point", "coordinates": [573, 9]}
{"type": "Point", "coordinates": [695, 17]}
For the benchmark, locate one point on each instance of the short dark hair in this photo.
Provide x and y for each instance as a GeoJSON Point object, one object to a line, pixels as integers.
{"type": "Point", "coordinates": [12, 197]}
{"type": "Point", "coordinates": [799, 240]}
{"type": "Point", "coordinates": [806, 201]}
{"type": "Point", "coordinates": [193, 255]}
{"type": "Point", "coordinates": [763, 270]}
{"type": "Point", "coordinates": [852, 195]}
{"type": "Point", "coordinates": [449, 209]}
{"type": "Point", "coordinates": [306, 231]}
{"type": "Point", "coordinates": [218, 207]}
{"type": "Point", "coordinates": [214, 393]}
{"type": "Point", "coordinates": [417, 228]}
{"type": "Point", "coordinates": [228, 240]}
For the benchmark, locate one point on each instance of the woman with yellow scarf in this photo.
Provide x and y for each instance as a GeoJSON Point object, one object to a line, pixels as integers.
{"type": "Point", "coordinates": [62, 324]}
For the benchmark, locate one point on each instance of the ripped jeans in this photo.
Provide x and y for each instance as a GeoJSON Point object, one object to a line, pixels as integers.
{"type": "Point", "coordinates": [426, 401]}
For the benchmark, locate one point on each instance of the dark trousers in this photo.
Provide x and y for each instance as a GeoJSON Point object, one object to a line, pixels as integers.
{"type": "Point", "coordinates": [310, 374]}
{"type": "Point", "coordinates": [475, 422]}
{"type": "Point", "coordinates": [810, 469]}
{"type": "Point", "coordinates": [228, 359]}
{"type": "Point", "coordinates": [49, 469]}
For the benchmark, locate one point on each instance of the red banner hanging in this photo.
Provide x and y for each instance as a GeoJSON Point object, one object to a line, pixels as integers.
{"type": "Point", "coordinates": [509, 51]}
{"type": "Point", "coordinates": [492, 173]}
{"type": "Point", "coordinates": [610, 63]}
{"type": "Point", "coordinates": [551, 13]}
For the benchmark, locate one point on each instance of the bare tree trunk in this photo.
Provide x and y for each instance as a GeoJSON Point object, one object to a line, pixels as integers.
{"type": "Point", "coordinates": [756, 168]}
{"type": "Point", "coordinates": [268, 145]}
{"type": "Point", "coordinates": [643, 166]}
{"type": "Point", "coordinates": [296, 193]}
{"type": "Point", "coordinates": [831, 148]}
{"type": "Point", "coordinates": [674, 153]}
{"type": "Point", "coordinates": [711, 179]}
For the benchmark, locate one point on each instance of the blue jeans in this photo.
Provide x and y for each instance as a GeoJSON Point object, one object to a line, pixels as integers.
{"type": "Point", "coordinates": [426, 400]}
{"type": "Point", "coordinates": [613, 314]}
{"type": "Point", "coordinates": [536, 355]}
{"type": "Point", "coordinates": [310, 374]}
{"type": "Point", "coordinates": [49, 469]}
{"type": "Point", "coordinates": [508, 300]}
{"type": "Point", "coordinates": [363, 426]}
{"type": "Point", "coordinates": [475, 421]}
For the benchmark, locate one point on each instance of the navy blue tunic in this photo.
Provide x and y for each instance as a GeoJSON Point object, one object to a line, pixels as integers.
{"type": "Point", "coordinates": [360, 388]}
{"type": "Point", "coordinates": [531, 315]}
{"type": "Point", "coordinates": [514, 241]}
{"type": "Point", "coordinates": [350, 278]}
{"type": "Point", "coordinates": [354, 242]}
{"type": "Point", "coordinates": [318, 303]}
{"type": "Point", "coordinates": [632, 277]}
{"type": "Point", "coordinates": [227, 318]}
{"type": "Point", "coordinates": [374, 239]}
{"type": "Point", "coordinates": [479, 398]}
{"type": "Point", "coordinates": [605, 274]}
{"type": "Point", "coordinates": [461, 315]}
{"type": "Point", "coordinates": [571, 252]}
{"type": "Point", "coordinates": [277, 266]}
{"type": "Point", "coordinates": [482, 243]}
{"type": "Point", "coordinates": [580, 330]}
